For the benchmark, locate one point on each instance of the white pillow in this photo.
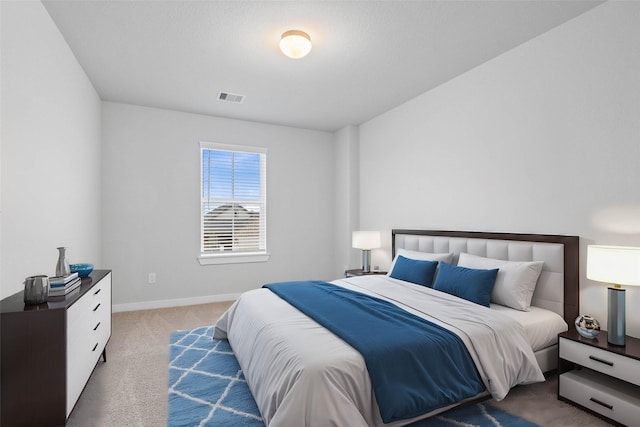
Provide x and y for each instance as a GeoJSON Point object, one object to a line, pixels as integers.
{"type": "Point", "coordinates": [515, 282]}
{"type": "Point", "coordinates": [422, 256]}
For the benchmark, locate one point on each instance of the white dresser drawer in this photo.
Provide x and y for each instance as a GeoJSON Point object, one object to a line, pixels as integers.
{"type": "Point", "coordinates": [88, 329]}
{"type": "Point", "coordinates": [80, 363]}
{"type": "Point", "coordinates": [600, 360]}
{"type": "Point", "coordinates": [612, 398]}
{"type": "Point", "coordinates": [93, 308]}
{"type": "Point", "coordinates": [99, 314]}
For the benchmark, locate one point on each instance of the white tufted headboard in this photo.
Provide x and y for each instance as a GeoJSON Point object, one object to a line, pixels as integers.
{"type": "Point", "coordinates": [558, 286]}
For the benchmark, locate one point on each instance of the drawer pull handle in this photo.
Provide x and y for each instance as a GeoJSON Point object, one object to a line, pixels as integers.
{"type": "Point", "coordinates": [97, 292]}
{"type": "Point", "coordinates": [96, 307]}
{"type": "Point", "coordinates": [94, 347]}
{"type": "Point", "coordinates": [606, 362]}
{"type": "Point", "coordinates": [606, 405]}
{"type": "Point", "coordinates": [96, 326]}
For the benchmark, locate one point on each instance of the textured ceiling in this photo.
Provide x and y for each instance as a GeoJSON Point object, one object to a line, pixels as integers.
{"type": "Point", "coordinates": [367, 56]}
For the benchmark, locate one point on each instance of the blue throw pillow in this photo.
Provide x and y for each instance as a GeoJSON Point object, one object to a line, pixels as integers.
{"type": "Point", "coordinates": [469, 283]}
{"type": "Point", "coordinates": [414, 270]}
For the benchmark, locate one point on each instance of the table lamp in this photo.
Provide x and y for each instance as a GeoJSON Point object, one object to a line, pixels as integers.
{"type": "Point", "coordinates": [619, 265]}
{"type": "Point", "coordinates": [366, 240]}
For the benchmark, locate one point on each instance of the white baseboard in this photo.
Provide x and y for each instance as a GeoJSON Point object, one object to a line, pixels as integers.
{"type": "Point", "coordinates": [149, 305]}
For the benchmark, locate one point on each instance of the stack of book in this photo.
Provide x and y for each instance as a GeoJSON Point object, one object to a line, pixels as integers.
{"type": "Point", "coordinates": [62, 285]}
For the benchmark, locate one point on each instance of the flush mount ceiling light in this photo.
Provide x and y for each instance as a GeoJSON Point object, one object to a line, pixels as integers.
{"type": "Point", "coordinates": [295, 44]}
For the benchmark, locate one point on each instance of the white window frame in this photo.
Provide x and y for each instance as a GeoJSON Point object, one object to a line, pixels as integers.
{"type": "Point", "coordinates": [209, 258]}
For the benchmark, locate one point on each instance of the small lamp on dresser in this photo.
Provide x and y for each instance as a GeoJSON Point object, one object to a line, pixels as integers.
{"type": "Point", "coordinates": [619, 265]}
{"type": "Point", "coordinates": [366, 240]}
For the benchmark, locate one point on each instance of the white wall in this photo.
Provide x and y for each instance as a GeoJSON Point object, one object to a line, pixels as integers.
{"type": "Point", "coordinates": [50, 149]}
{"type": "Point", "coordinates": [544, 138]}
{"type": "Point", "coordinates": [346, 198]}
{"type": "Point", "coordinates": [151, 197]}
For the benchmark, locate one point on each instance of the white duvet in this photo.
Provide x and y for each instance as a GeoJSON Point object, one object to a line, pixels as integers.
{"type": "Point", "coordinates": [300, 374]}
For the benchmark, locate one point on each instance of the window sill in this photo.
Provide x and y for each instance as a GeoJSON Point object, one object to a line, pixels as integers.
{"type": "Point", "coordinates": [238, 258]}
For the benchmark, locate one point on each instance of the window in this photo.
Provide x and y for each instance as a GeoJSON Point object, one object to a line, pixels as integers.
{"type": "Point", "coordinates": [233, 204]}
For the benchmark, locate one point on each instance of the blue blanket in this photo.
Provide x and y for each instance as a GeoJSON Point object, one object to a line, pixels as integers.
{"type": "Point", "coordinates": [415, 366]}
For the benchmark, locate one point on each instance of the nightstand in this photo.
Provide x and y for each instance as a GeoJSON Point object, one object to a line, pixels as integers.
{"type": "Point", "coordinates": [601, 378]}
{"type": "Point", "coordinates": [359, 272]}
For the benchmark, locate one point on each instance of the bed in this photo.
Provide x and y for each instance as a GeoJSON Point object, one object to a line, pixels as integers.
{"type": "Point", "coordinates": [300, 373]}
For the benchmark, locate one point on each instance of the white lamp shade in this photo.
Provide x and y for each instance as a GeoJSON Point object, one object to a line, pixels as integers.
{"type": "Point", "coordinates": [365, 240]}
{"type": "Point", "coordinates": [295, 44]}
{"type": "Point", "coordinates": [614, 264]}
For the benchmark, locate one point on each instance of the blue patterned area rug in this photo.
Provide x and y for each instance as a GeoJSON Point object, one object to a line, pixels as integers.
{"type": "Point", "coordinates": [207, 389]}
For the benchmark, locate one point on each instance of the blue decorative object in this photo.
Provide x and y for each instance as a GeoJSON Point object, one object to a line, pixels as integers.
{"type": "Point", "coordinates": [587, 326]}
{"type": "Point", "coordinates": [201, 369]}
{"type": "Point", "coordinates": [83, 270]}
{"type": "Point", "coordinates": [414, 271]}
{"type": "Point", "coordinates": [469, 283]}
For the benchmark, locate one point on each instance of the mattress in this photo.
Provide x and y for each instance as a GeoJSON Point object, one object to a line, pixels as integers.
{"type": "Point", "coordinates": [541, 326]}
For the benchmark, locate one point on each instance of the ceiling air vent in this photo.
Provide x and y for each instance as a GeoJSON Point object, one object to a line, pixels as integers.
{"type": "Point", "coordinates": [230, 97]}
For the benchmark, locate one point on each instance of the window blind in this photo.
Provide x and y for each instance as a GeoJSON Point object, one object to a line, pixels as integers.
{"type": "Point", "coordinates": [233, 199]}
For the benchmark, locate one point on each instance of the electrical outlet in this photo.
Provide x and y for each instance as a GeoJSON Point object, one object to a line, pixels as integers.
{"type": "Point", "coordinates": [152, 278]}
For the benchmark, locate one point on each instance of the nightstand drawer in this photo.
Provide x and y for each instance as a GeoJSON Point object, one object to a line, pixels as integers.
{"type": "Point", "coordinates": [359, 272]}
{"type": "Point", "coordinates": [600, 360]}
{"type": "Point", "coordinates": [607, 396]}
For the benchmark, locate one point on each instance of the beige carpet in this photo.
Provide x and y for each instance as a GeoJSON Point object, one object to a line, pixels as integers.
{"type": "Point", "coordinates": [131, 388]}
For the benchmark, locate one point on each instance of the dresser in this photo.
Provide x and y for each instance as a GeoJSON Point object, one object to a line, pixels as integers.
{"type": "Point", "coordinates": [49, 351]}
{"type": "Point", "coordinates": [602, 378]}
